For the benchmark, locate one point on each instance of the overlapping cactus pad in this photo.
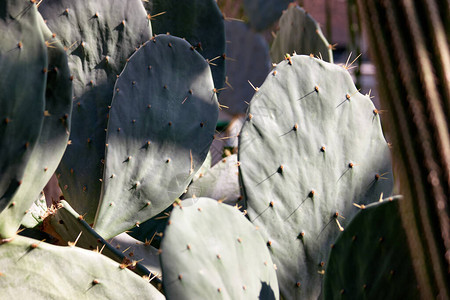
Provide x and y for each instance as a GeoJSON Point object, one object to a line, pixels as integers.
{"type": "Point", "coordinates": [23, 61]}
{"type": "Point", "coordinates": [30, 267]}
{"type": "Point", "coordinates": [300, 33]}
{"type": "Point", "coordinates": [52, 141]}
{"type": "Point", "coordinates": [99, 37]}
{"type": "Point", "coordinates": [228, 261]}
{"type": "Point", "coordinates": [311, 147]}
{"type": "Point", "coordinates": [263, 13]}
{"type": "Point", "coordinates": [371, 259]}
{"type": "Point", "coordinates": [221, 182]}
{"type": "Point", "coordinates": [161, 125]}
{"type": "Point", "coordinates": [200, 22]}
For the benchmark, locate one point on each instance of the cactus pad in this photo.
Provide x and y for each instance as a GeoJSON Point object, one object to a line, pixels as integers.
{"type": "Point", "coordinates": [161, 125]}
{"type": "Point", "coordinates": [229, 261]}
{"type": "Point", "coordinates": [299, 33]}
{"type": "Point", "coordinates": [311, 146]}
{"type": "Point", "coordinates": [99, 37]}
{"type": "Point", "coordinates": [370, 259]}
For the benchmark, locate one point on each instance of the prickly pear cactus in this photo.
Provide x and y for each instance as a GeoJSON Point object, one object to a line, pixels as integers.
{"type": "Point", "coordinates": [161, 125]}
{"type": "Point", "coordinates": [263, 13]}
{"type": "Point", "coordinates": [200, 22]}
{"type": "Point", "coordinates": [23, 61]}
{"type": "Point", "coordinates": [69, 273]}
{"type": "Point", "coordinates": [312, 145]}
{"type": "Point", "coordinates": [248, 61]}
{"type": "Point", "coordinates": [299, 33]}
{"type": "Point", "coordinates": [52, 141]}
{"type": "Point", "coordinates": [221, 182]}
{"type": "Point", "coordinates": [370, 260]}
{"type": "Point", "coordinates": [99, 37]}
{"type": "Point", "coordinates": [229, 260]}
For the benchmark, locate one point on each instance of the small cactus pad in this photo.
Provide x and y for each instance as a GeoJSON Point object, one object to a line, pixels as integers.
{"type": "Point", "coordinates": [200, 22]}
{"type": "Point", "coordinates": [311, 146]}
{"type": "Point", "coordinates": [31, 268]}
{"type": "Point", "coordinates": [221, 182]}
{"type": "Point", "coordinates": [299, 33]}
{"type": "Point", "coordinates": [23, 61]}
{"type": "Point", "coordinates": [370, 259]}
{"type": "Point", "coordinates": [229, 260]}
{"type": "Point", "coordinates": [248, 64]}
{"type": "Point", "coordinates": [99, 37]}
{"type": "Point", "coordinates": [52, 142]}
{"type": "Point", "coordinates": [161, 125]}
{"type": "Point", "coordinates": [263, 13]}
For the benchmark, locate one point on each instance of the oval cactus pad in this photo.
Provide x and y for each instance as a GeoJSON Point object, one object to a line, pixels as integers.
{"type": "Point", "coordinates": [312, 145]}
{"type": "Point", "coordinates": [161, 125]}
{"type": "Point", "coordinates": [229, 261]}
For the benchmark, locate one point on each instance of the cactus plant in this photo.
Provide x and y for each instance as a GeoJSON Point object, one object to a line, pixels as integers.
{"type": "Point", "coordinates": [229, 261]}
{"type": "Point", "coordinates": [156, 143]}
{"type": "Point", "coordinates": [68, 273]}
{"type": "Point", "coordinates": [200, 22]}
{"type": "Point", "coordinates": [23, 58]}
{"type": "Point", "coordinates": [369, 259]}
{"type": "Point", "coordinates": [299, 33]}
{"type": "Point", "coordinates": [53, 138]}
{"type": "Point", "coordinates": [248, 61]}
{"type": "Point", "coordinates": [99, 37]}
{"type": "Point", "coordinates": [263, 13]}
{"type": "Point", "coordinates": [311, 146]}
{"type": "Point", "coordinates": [221, 182]}
{"type": "Point", "coordinates": [43, 157]}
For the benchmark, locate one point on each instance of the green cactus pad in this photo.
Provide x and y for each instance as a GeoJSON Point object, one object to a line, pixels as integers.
{"type": "Point", "coordinates": [263, 13]}
{"type": "Point", "coordinates": [311, 146]}
{"type": "Point", "coordinates": [229, 260]}
{"type": "Point", "coordinates": [371, 259]}
{"type": "Point", "coordinates": [299, 33]}
{"type": "Point", "coordinates": [248, 61]}
{"type": "Point", "coordinates": [52, 142]}
{"type": "Point", "coordinates": [221, 182]}
{"type": "Point", "coordinates": [23, 61]}
{"type": "Point", "coordinates": [200, 22]}
{"type": "Point", "coordinates": [31, 268]}
{"type": "Point", "coordinates": [161, 125]}
{"type": "Point", "coordinates": [99, 37]}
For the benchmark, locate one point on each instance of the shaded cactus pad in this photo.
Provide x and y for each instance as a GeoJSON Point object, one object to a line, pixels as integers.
{"type": "Point", "coordinates": [229, 261]}
{"type": "Point", "coordinates": [161, 125]}
{"type": "Point", "coordinates": [371, 259]}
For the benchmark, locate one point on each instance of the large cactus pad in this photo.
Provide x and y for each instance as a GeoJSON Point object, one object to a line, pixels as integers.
{"type": "Point", "coordinates": [312, 145]}
{"type": "Point", "coordinates": [161, 125]}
